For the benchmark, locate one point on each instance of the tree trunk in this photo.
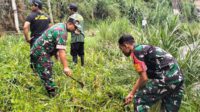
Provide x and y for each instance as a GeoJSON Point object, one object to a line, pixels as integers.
{"type": "Point", "coordinates": [50, 11]}
{"type": "Point", "coordinates": [15, 16]}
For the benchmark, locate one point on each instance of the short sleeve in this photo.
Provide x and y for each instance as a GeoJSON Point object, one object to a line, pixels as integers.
{"type": "Point", "coordinates": [61, 38]}
{"type": "Point", "coordinates": [49, 19]}
{"type": "Point", "coordinates": [139, 64]}
{"type": "Point", "coordinates": [30, 18]}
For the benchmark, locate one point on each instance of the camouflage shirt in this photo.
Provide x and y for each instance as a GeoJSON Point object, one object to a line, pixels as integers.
{"type": "Point", "coordinates": [151, 59]}
{"type": "Point", "coordinates": [50, 41]}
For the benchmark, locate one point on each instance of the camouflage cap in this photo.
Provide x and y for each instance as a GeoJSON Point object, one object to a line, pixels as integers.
{"type": "Point", "coordinates": [74, 21]}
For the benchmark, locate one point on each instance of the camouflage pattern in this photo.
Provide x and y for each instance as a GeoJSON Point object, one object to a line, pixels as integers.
{"type": "Point", "coordinates": [165, 80]}
{"type": "Point", "coordinates": [46, 46]}
{"type": "Point", "coordinates": [78, 37]}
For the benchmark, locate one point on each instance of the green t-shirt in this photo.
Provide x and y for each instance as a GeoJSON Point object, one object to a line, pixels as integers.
{"type": "Point", "coordinates": [78, 37]}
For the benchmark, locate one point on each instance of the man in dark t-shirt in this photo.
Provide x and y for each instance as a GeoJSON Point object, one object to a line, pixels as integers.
{"type": "Point", "coordinates": [37, 21]}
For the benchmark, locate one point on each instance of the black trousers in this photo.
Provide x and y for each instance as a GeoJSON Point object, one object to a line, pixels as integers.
{"type": "Point", "coordinates": [33, 39]}
{"type": "Point", "coordinates": [77, 49]}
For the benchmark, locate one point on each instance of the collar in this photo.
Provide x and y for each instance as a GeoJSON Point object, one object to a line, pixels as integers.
{"type": "Point", "coordinates": [65, 26]}
{"type": "Point", "coordinates": [135, 45]}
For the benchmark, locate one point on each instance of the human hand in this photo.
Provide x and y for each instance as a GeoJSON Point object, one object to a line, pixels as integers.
{"type": "Point", "coordinates": [28, 40]}
{"type": "Point", "coordinates": [77, 32]}
{"type": "Point", "coordinates": [129, 98]}
{"type": "Point", "coordinates": [67, 71]}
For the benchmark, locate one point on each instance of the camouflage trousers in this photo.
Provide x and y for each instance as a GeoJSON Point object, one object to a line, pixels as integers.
{"type": "Point", "coordinates": [42, 65]}
{"type": "Point", "coordinates": [168, 89]}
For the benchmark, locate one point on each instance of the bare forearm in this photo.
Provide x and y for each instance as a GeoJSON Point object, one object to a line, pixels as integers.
{"type": "Point", "coordinates": [51, 24]}
{"type": "Point", "coordinates": [26, 30]}
{"type": "Point", "coordinates": [140, 82]}
{"type": "Point", "coordinates": [26, 34]}
{"type": "Point", "coordinates": [63, 60]}
{"type": "Point", "coordinates": [137, 85]}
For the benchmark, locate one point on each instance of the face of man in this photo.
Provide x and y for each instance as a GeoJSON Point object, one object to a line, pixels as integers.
{"type": "Point", "coordinates": [34, 8]}
{"type": "Point", "coordinates": [126, 49]}
{"type": "Point", "coordinates": [71, 27]}
{"type": "Point", "coordinates": [70, 11]}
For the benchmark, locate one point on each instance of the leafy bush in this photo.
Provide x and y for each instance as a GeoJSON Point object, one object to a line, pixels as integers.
{"type": "Point", "coordinates": [106, 9]}
{"type": "Point", "coordinates": [111, 30]}
{"type": "Point", "coordinates": [188, 11]}
{"type": "Point", "coordinates": [108, 75]}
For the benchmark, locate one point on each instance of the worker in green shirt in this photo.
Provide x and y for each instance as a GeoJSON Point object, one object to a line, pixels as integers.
{"type": "Point", "coordinates": [77, 37]}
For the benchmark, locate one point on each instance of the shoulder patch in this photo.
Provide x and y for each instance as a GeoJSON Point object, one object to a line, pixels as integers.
{"type": "Point", "coordinates": [138, 65]}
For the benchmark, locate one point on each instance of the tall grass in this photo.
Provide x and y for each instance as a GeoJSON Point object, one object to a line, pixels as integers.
{"type": "Point", "coordinates": [21, 89]}
{"type": "Point", "coordinates": [108, 75]}
{"type": "Point", "coordinates": [171, 35]}
{"type": "Point", "coordinates": [111, 30]}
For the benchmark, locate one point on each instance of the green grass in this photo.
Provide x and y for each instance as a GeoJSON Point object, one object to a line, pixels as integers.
{"type": "Point", "coordinates": [108, 75]}
{"type": "Point", "coordinates": [21, 90]}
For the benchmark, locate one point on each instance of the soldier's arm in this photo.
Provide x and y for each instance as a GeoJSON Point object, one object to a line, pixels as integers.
{"type": "Point", "coordinates": [26, 30]}
{"type": "Point", "coordinates": [50, 25]}
{"type": "Point", "coordinates": [62, 56]}
{"type": "Point", "coordinates": [141, 68]}
{"type": "Point", "coordinates": [50, 22]}
{"type": "Point", "coordinates": [63, 60]}
{"type": "Point", "coordinates": [61, 46]}
{"type": "Point", "coordinates": [139, 83]}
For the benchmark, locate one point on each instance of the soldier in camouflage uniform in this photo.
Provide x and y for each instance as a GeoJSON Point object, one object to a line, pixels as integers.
{"type": "Point", "coordinates": [77, 37]}
{"type": "Point", "coordinates": [51, 42]}
{"type": "Point", "coordinates": [160, 77]}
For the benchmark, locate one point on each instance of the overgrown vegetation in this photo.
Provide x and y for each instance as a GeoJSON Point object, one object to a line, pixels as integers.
{"type": "Point", "coordinates": [108, 75]}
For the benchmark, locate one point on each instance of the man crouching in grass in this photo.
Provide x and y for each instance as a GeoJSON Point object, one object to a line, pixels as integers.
{"type": "Point", "coordinates": [160, 76]}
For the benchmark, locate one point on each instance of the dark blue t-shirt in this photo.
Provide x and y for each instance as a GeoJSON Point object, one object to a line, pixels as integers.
{"type": "Point", "coordinates": [39, 22]}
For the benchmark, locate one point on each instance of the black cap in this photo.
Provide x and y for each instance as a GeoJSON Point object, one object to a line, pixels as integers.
{"type": "Point", "coordinates": [37, 3]}
{"type": "Point", "coordinates": [73, 6]}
